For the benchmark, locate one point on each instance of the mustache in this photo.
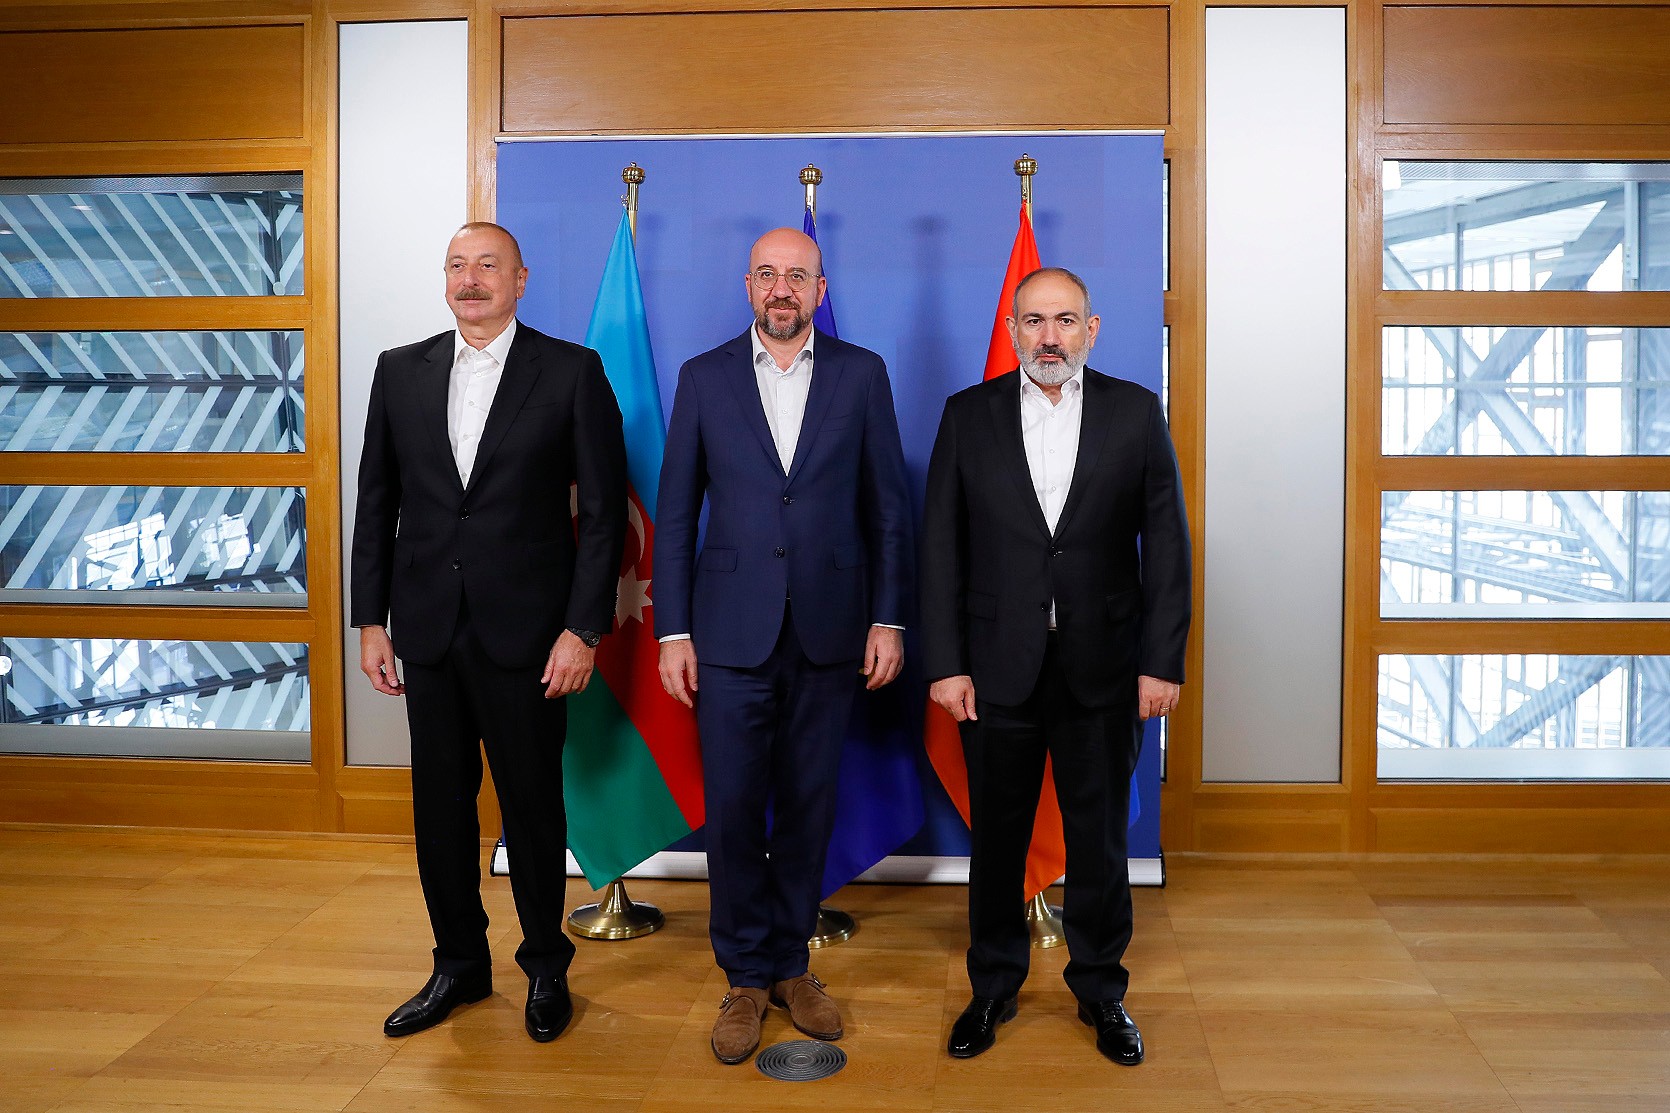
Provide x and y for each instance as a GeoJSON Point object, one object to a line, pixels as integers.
{"type": "Point", "coordinates": [1055, 350]}
{"type": "Point", "coordinates": [472, 293]}
{"type": "Point", "coordinates": [781, 303]}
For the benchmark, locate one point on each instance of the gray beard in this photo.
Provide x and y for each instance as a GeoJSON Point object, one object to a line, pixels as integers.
{"type": "Point", "coordinates": [1051, 374]}
{"type": "Point", "coordinates": [782, 332]}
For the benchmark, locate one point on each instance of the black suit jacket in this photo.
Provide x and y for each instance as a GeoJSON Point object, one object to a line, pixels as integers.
{"type": "Point", "coordinates": [509, 544]}
{"type": "Point", "coordinates": [1117, 566]}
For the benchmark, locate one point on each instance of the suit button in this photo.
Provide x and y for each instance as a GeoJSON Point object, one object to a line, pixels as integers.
{"type": "Point", "coordinates": [457, 564]}
{"type": "Point", "coordinates": [1043, 606]}
{"type": "Point", "coordinates": [464, 513]}
{"type": "Point", "coordinates": [1055, 552]}
{"type": "Point", "coordinates": [787, 501]}
{"type": "Point", "coordinates": [780, 551]}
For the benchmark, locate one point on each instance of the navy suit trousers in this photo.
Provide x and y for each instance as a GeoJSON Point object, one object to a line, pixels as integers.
{"type": "Point", "coordinates": [771, 751]}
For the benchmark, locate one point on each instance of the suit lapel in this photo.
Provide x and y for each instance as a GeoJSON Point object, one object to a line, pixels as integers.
{"type": "Point", "coordinates": [747, 388]}
{"type": "Point", "coordinates": [1005, 402]}
{"type": "Point", "coordinates": [827, 366]}
{"type": "Point", "coordinates": [433, 381]}
{"type": "Point", "coordinates": [1094, 419]}
{"type": "Point", "coordinates": [521, 370]}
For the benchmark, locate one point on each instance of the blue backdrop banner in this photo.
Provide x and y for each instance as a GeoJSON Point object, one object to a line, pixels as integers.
{"type": "Point", "coordinates": [915, 232]}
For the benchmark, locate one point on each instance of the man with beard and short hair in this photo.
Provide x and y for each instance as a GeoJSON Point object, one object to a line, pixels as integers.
{"type": "Point", "coordinates": [802, 583]}
{"type": "Point", "coordinates": [496, 593]}
{"type": "Point", "coordinates": [1055, 614]}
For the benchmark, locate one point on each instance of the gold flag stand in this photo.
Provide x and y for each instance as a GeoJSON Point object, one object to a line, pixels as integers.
{"type": "Point", "coordinates": [1043, 920]}
{"type": "Point", "coordinates": [834, 926]}
{"type": "Point", "coordinates": [618, 916]}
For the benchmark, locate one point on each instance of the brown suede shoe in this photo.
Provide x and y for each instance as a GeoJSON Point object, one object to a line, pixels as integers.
{"type": "Point", "coordinates": [737, 1031]}
{"type": "Point", "coordinates": [809, 1007]}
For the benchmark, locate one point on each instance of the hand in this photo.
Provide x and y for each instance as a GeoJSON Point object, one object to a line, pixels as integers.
{"type": "Point", "coordinates": [884, 656]}
{"type": "Point", "coordinates": [568, 668]}
{"type": "Point", "coordinates": [377, 661]}
{"type": "Point", "coordinates": [678, 670]}
{"type": "Point", "coordinates": [1156, 697]}
{"type": "Point", "coordinates": [956, 695]}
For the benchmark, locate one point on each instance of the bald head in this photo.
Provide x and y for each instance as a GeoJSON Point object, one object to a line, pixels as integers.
{"type": "Point", "coordinates": [787, 240]}
{"type": "Point", "coordinates": [785, 284]}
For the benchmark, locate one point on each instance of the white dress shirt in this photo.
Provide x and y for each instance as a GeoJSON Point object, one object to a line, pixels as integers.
{"type": "Point", "coordinates": [1050, 432]}
{"type": "Point", "coordinates": [783, 394]}
{"type": "Point", "coordinates": [470, 390]}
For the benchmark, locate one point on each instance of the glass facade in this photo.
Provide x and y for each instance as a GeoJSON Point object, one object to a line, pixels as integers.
{"type": "Point", "coordinates": [1524, 717]}
{"type": "Point", "coordinates": [132, 697]}
{"type": "Point", "coordinates": [1525, 554]}
{"type": "Point", "coordinates": [1527, 391]}
{"type": "Point", "coordinates": [154, 545]}
{"type": "Point", "coordinates": [1527, 226]}
{"type": "Point", "coordinates": [228, 235]}
{"type": "Point", "coordinates": [151, 392]}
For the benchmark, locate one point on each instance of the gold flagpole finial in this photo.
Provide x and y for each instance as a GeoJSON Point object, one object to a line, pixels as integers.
{"type": "Point", "coordinates": [1025, 167]}
{"type": "Point", "coordinates": [633, 176]}
{"type": "Point", "coordinates": [811, 178]}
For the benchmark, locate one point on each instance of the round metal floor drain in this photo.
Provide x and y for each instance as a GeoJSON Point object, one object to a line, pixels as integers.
{"type": "Point", "coordinates": [800, 1060]}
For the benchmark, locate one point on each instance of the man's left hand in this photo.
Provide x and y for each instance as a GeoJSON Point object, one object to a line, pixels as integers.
{"type": "Point", "coordinates": [569, 666]}
{"type": "Point", "coordinates": [1157, 697]}
{"type": "Point", "coordinates": [884, 656]}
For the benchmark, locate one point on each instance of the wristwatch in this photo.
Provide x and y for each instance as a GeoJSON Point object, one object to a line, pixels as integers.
{"type": "Point", "coordinates": [590, 637]}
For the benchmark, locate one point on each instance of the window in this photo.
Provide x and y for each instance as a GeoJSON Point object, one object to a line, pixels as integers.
{"type": "Point", "coordinates": [219, 236]}
{"type": "Point", "coordinates": [154, 459]}
{"type": "Point", "coordinates": [1522, 483]}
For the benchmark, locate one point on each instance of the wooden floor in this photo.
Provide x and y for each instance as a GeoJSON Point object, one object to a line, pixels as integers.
{"type": "Point", "coordinates": [185, 972]}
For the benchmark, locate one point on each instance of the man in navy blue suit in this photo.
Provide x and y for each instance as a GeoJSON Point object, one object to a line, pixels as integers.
{"type": "Point", "coordinates": [801, 586]}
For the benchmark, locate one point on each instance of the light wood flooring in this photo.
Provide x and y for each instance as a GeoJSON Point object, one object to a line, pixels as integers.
{"type": "Point", "coordinates": [144, 971]}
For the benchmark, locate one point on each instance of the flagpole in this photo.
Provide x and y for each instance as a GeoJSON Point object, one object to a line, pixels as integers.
{"type": "Point", "coordinates": [617, 916]}
{"type": "Point", "coordinates": [811, 178]}
{"type": "Point", "coordinates": [834, 926]}
{"type": "Point", "coordinates": [1025, 167]}
{"type": "Point", "coordinates": [1043, 919]}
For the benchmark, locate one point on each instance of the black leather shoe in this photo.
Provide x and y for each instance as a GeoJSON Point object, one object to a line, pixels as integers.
{"type": "Point", "coordinates": [549, 1008]}
{"type": "Point", "coordinates": [1116, 1033]}
{"type": "Point", "coordinates": [976, 1029]}
{"type": "Point", "coordinates": [438, 997]}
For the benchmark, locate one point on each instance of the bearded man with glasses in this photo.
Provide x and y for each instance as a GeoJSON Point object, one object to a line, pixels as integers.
{"type": "Point", "coordinates": [798, 595]}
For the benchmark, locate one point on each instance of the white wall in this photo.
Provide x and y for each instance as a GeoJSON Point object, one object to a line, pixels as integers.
{"type": "Point", "coordinates": [1275, 393]}
{"type": "Point", "coordinates": [404, 152]}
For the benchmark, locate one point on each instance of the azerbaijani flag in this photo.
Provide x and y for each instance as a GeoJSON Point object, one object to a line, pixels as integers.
{"type": "Point", "coordinates": [878, 797]}
{"type": "Point", "coordinates": [632, 770]}
{"type": "Point", "coordinates": [1046, 858]}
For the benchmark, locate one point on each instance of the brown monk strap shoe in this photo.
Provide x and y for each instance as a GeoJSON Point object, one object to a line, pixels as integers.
{"type": "Point", "coordinates": [809, 1007]}
{"type": "Point", "coordinates": [737, 1031]}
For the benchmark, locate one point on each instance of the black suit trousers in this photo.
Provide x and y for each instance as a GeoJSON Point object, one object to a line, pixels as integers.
{"type": "Point", "coordinates": [456, 708]}
{"type": "Point", "coordinates": [1094, 751]}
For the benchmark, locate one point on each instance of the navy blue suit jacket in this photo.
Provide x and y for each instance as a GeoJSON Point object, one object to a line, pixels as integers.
{"type": "Point", "coordinates": [832, 534]}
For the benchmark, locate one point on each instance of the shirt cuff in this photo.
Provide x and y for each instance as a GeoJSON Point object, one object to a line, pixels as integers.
{"type": "Point", "coordinates": [674, 638]}
{"type": "Point", "coordinates": [887, 626]}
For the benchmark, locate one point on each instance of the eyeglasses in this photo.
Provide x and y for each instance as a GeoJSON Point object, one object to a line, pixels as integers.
{"type": "Point", "coordinates": [765, 278]}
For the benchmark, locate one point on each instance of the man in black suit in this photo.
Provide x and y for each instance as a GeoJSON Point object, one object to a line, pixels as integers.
{"type": "Point", "coordinates": [497, 594]}
{"type": "Point", "coordinates": [1055, 613]}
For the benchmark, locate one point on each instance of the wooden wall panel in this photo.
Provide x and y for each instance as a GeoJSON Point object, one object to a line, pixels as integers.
{"type": "Point", "coordinates": [201, 83]}
{"type": "Point", "coordinates": [849, 70]}
{"type": "Point", "coordinates": [1527, 65]}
